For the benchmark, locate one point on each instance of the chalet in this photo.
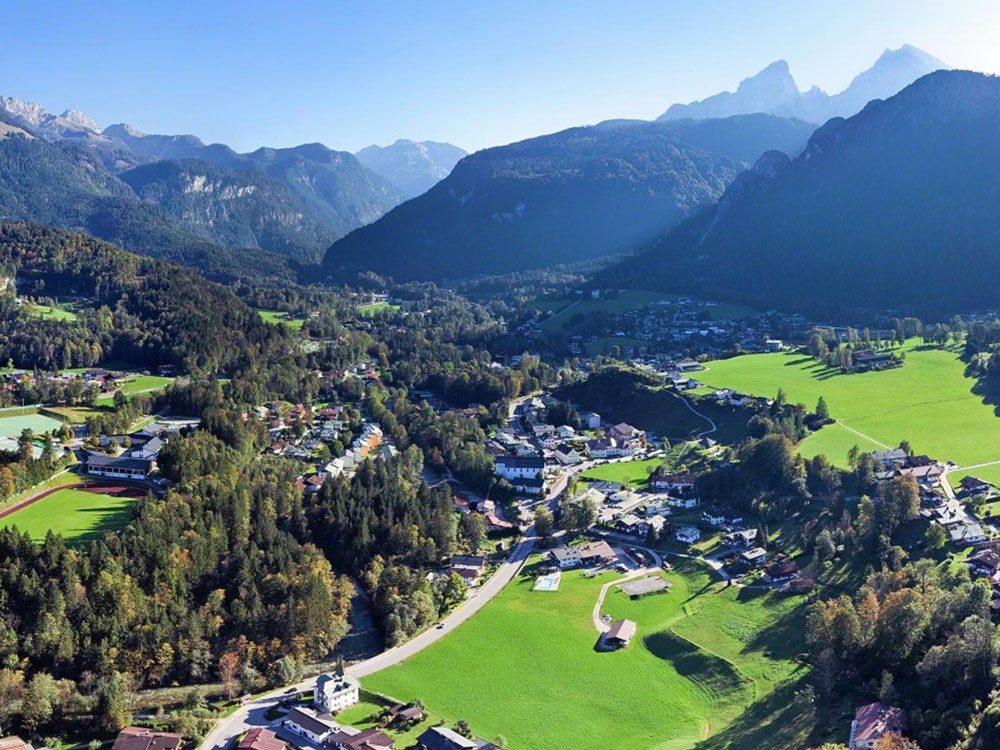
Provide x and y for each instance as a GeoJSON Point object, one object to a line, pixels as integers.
{"type": "Point", "coordinates": [407, 713]}
{"type": "Point", "coordinates": [927, 476]}
{"type": "Point", "coordinates": [442, 738]}
{"type": "Point", "coordinates": [753, 557]}
{"type": "Point", "coordinates": [469, 567]}
{"type": "Point", "coordinates": [740, 539]}
{"type": "Point", "coordinates": [102, 465]}
{"type": "Point", "coordinates": [565, 557]}
{"type": "Point", "coordinates": [966, 533]}
{"type": "Point", "coordinates": [672, 482]}
{"type": "Point", "coordinates": [890, 458]}
{"type": "Point", "coordinates": [307, 723]}
{"type": "Point", "coordinates": [141, 738]}
{"type": "Point", "coordinates": [497, 525]}
{"type": "Point", "coordinates": [597, 553]}
{"type": "Point", "coordinates": [335, 692]}
{"type": "Point", "coordinates": [259, 738]}
{"type": "Point", "coordinates": [874, 721]}
{"type": "Point", "coordinates": [971, 486]}
{"type": "Point", "coordinates": [781, 572]}
{"type": "Point", "coordinates": [520, 467]}
{"type": "Point", "coordinates": [348, 738]}
{"type": "Point", "coordinates": [687, 534]}
{"type": "Point", "coordinates": [620, 634]}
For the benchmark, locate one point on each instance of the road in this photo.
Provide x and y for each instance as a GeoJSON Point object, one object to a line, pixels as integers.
{"type": "Point", "coordinates": [252, 714]}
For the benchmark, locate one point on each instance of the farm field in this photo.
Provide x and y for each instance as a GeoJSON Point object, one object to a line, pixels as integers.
{"type": "Point", "coordinates": [697, 664]}
{"type": "Point", "coordinates": [137, 384]}
{"type": "Point", "coordinates": [78, 515]}
{"type": "Point", "coordinates": [12, 423]}
{"type": "Point", "coordinates": [368, 311]}
{"type": "Point", "coordinates": [927, 401]}
{"type": "Point", "coordinates": [279, 317]}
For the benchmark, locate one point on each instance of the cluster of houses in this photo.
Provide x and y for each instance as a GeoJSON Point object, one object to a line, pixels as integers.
{"type": "Point", "coordinates": [495, 525]}
{"type": "Point", "coordinates": [298, 431]}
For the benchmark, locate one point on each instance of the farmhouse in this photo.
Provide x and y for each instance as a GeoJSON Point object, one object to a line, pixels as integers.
{"type": "Point", "coordinates": [873, 721]}
{"type": "Point", "coordinates": [596, 553]}
{"type": "Point", "coordinates": [621, 633]}
{"type": "Point", "coordinates": [781, 572]}
{"type": "Point", "coordinates": [335, 692]}
{"type": "Point", "coordinates": [259, 738]}
{"type": "Point", "coordinates": [140, 738]}
{"type": "Point", "coordinates": [442, 738]}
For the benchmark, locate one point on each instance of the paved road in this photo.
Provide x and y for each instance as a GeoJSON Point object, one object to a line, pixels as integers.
{"type": "Point", "coordinates": [252, 714]}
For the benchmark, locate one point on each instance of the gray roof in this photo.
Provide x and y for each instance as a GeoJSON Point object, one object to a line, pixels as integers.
{"type": "Point", "coordinates": [442, 738]}
{"type": "Point", "coordinates": [102, 460]}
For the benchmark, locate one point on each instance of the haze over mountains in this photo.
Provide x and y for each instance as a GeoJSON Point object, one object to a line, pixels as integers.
{"type": "Point", "coordinates": [895, 207]}
{"type": "Point", "coordinates": [774, 91]}
{"type": "Point", "coordinates": [412, 167]}
{"type": "Point", "coordinates": [290, 201]}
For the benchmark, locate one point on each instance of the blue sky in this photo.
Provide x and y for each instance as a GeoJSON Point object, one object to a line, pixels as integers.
{"type": "Point", "coordinates": [477, 74]}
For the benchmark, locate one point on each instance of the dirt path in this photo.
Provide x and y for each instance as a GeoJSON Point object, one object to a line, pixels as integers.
{"type": "Point", "coordinates": [697, 413]}
{"type": "Point", "coordinates": [599, 624]}
{"type": "Point", "coordinates": [861, 434]}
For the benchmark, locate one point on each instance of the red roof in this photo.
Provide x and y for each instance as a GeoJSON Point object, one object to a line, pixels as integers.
{"type": "Point", "coordinates": [877, 719]}
{"type": "Point", "coordinates": [260, 738]}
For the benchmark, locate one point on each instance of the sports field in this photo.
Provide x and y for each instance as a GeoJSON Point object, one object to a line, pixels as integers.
{"type": "Point", "coordinates": [703, 656]}
{"type": "Point", "coordinates": [927, 401]}
{"type": "Point", "coordinates": [12, 424]}
{"type": "Point", "coordinates": [78, 515]}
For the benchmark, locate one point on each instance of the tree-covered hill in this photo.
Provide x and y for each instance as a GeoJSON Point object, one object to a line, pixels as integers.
{"type": "Point", "coordinates": [566, 197]}
{"type": "Point", "coordinates": [895, 207]}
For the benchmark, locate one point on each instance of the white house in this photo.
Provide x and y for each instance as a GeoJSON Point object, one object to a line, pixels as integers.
{"type": "Point", "coordinates": [520, 467]}
{"type": "Point", "coordinates": [335, 692]}
{"type": "Point", "coordinates": [687, 534]}
{"type": "Point", "coordinates": [306, 722]}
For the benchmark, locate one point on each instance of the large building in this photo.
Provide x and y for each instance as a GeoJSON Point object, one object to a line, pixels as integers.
{"type": "Point", "coordinates": [120, 467]}
{"type": "Point", "coordinates": [335, 692]}
{"type": "Point", "coordinates": [141, 738]}
{"type": "Point", "coordinates": [520, 467]}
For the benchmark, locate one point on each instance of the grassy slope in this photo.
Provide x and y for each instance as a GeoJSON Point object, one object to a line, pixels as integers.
{"type": "Point", "coordinates": [535, 650]}
{"type": "Point", "coordinates": [928, 401]}
{"type": "Point", "coordinates": [79, 516]}
{"type": "Point", "coordinates": [636, 473]}
{"type": "Point", "coordinates": [277, 317]}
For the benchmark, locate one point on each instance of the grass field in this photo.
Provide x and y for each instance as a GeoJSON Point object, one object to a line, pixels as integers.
{"type": "Point", "coordinates": [364, 715]}
{"type": "Point", "coordinates": [77, 515]}
{"type": "Point", "coordinates": [11, 424]}
{"type": "Point", "coordinates": [53, 313]}
{"type": "Point", "coordinates": [375, 308]}
{"type": "Point", "coordinates": [702, 657]}
{"type": "Point", "coordinates": [603, 347]}
{"type": "Point", "coordinates": [279, 317]}
{"type": "Point", "coordinates": [927, 401]}
{"type": "Point", "coordinates": [636, 473]}
{"type": "Point", "coordinates": [136, 384]}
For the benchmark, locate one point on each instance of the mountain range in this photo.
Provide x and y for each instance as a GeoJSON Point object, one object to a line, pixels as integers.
{"type": "Point", "coordinates": [292, 201]}
{"type": "Point", "coordinates": [774, 91]}
{"type": "Point", "coordinates": [893, 208]}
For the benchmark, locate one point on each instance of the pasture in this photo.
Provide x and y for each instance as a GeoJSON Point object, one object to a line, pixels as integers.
{"type": "Point", "coordinates": [704, 655]}
{"type": "Point", "coordinates": [928, 401]}
{"type": "Point", "coordinates": [368, 311]}
{"type": "Point", "coordinates": [636, 473]}
{"type": "Point", "coordinates": [62, 313]}
{"type": "Point", "coordinates": [78, 515]}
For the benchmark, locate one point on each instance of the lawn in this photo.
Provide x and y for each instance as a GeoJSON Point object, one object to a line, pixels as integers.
{"type": "Point", "coordinates": [927, 401]}
{"type": "Point", "coordinates": [375, 308]}
{"type": "Point", "coordinates": [364, 715]}
{"type": "Point", "coordinates": [137, 384]}
{"type": "Point", "coordinates": [279, 317]}
{"type": "Point", "coordinates": [77, 515]}
{"type": "Point", "coordinates": [636, 473]}
{"type": "Point", "coordinates": [53, 313]}
{"type": "Point", "coordinates": [702, 657]}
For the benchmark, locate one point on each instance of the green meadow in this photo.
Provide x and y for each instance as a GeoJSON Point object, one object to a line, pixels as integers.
{"type": "Point", "coordinates": [710, 667]}
{"type": "Point", "coordinates": [77, 515]}
{"type": "Point", "coordinates": [636, 473]}
{"type": "Point", "coordinates": [279, 317]}
{"type": "Point", "coordinates": [368, 311]}
{"type": "Point", "coordinates": [928, 401]}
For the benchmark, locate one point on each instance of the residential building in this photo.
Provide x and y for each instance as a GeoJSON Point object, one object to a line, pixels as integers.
{"type": "Point", "coordinates": [621, 633]}
{"type": "Point", "coordinates": [566, 557]}
{"type": "Point", "coordinates": [259, 738]}
{"type": "Point", "coordinates": [520, 467]}
{"type": "Point", "coordinates": [590, 420]}
{"type": "Point", "coordinates": [442, 738]}
{"type": "Point", "coordinates": [873, 721]}
{"type": "Point", "coordinates": [335, 692]}
{"type": "Point", "coordinates": [469, 567]}
{"type": "Point", "coordinates": [13, 742]}
{"type": "Point", "coordinates": [349, 738]}
{"type": "Point", "coordinates": [683, 483]}
{"type": "Point", "coordinates": [781, 572]}
{"type": "Point", "coordinates": [753, 557]}
{"type": "Point", "coordinates": [306, 722]}
{"type": "Point", "coordinates": [687, 534]}
{"type": "Point", "coordinates": [740, 539]}
{"type": "Point", "coordinates": [596, 553]}
{"type": "Point", "coordinates": [141, 738]}
{"type": "Point", "coordinates": [965, 533]}
{"type": "Point", "coordinates": [972, 486]}
{"type": "Point", "coordinates": [889, 458]}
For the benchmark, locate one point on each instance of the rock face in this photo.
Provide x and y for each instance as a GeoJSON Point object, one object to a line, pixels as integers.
{"type": "Point", "coordinates": [562, 198]}
{"type": "Point", "coordinates": [412, 167]}
{"type": "Point", "coordinates": [36, 120]}
{"type": "Point", "coordinates": [895, 207]}
{"type": "Point", "coordinates": [774, 91]}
